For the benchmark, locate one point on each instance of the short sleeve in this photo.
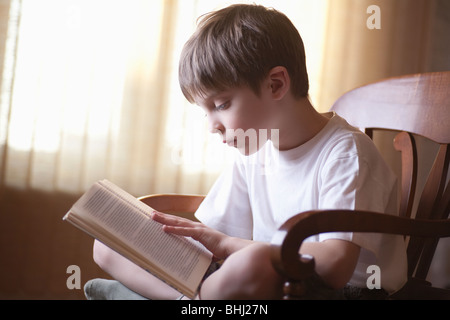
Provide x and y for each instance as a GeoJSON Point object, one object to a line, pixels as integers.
{"type": "Point", "coordinates": [350, 180]}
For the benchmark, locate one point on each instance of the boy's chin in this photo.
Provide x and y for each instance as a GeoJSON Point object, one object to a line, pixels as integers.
{"type": "Point", "coordinates": [248, 150]}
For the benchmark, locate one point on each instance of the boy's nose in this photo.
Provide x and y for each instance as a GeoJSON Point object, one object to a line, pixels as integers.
{"type": "Point", "coordinates": [215, 126]}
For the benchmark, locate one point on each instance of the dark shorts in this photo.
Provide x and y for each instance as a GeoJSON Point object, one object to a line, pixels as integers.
{"type": "Point", "coordinates": [316, 289]}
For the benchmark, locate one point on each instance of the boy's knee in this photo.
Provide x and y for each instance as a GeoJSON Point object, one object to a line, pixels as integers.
{"type": "Point", "coordinates": [248, 274]}
{"type": "Point", "coordinates": [101, 254]}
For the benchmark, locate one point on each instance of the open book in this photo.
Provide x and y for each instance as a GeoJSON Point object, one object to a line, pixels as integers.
{"type": "Point", "coordinates": [123, 223]}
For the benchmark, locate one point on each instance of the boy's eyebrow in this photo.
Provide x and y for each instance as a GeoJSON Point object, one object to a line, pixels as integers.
{"type": "Point", "coordinates": [210, 96]}
{"type": "Point", "coordinates": [204, 97]}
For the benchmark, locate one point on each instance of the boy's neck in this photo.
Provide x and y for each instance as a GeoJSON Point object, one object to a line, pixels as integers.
{"type": "Point", "coordinates": [298, 122]}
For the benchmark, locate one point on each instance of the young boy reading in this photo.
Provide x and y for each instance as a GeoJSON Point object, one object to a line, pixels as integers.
{"type": "Point", "coordinates": [245, 67]}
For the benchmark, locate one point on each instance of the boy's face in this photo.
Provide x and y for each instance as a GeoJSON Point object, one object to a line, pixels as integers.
{"type": "Point", "coordinates": [240, 116]}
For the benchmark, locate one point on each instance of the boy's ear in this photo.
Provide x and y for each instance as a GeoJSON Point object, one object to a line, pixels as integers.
{"type": "Point", "coordinates": [280, 82]}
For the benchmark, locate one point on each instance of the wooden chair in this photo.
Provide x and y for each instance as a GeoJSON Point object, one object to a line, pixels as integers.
{"type": "Point", "coordinates": [413, 105]}
{"type": "Point", "coordinates": [176, 204]}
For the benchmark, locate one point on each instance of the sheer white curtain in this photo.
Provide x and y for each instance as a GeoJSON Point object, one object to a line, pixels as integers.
{"type": "Point", "coordinates": [90, 91]}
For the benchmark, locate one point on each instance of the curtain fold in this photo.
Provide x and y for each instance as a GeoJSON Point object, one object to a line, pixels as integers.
{"type": "Point", "coordinates": [355, 55]}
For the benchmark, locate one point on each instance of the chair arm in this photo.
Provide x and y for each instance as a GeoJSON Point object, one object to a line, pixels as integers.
{"type": "Point", "coordinates": [287, 240]}
{"type": "Point", "coordinates": [176, 204]}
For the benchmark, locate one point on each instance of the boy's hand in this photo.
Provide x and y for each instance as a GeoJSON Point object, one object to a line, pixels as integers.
{"type": "Point", "coordinates": [217, 242]}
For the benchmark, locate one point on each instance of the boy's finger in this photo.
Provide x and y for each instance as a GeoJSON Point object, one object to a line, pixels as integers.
{"type": "Point", "coordinates": [168, 219]}
{"type": "Point", "coordinates": [183, 231]}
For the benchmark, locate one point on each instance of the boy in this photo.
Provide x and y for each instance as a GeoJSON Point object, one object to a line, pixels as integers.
{"type": "Point", "coordinates": [245, 66]}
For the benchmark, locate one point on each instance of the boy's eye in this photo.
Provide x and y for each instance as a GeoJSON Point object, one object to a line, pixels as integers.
{"type": "Point", "coordinates": [223, 106]}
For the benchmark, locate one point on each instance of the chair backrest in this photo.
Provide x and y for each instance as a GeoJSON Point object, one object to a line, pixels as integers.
{"type": "Point", "coordinates": [412, 105]}
{"type": "Point", "coordinates": [176, 204]}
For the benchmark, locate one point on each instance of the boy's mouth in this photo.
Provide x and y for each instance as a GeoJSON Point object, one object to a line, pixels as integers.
{"type": "Point", "coordinates": [231, 143]}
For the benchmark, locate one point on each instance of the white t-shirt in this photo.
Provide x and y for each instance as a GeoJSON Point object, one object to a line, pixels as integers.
{"type": "Point", "coordinates": [339, 168]}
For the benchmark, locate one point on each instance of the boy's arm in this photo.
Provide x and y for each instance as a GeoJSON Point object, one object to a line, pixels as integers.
{"type": "Point", "coordinates": [335, 260]}
{"type": "Point", "coordinates": [249, 273]}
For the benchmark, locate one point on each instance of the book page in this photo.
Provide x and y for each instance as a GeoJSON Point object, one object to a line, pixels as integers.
{"type": "Point", "coordinates": [128, 218]}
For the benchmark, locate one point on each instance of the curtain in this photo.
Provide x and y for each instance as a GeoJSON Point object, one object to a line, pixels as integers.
{"type": "Point", "coordinates": [355, 55]}
{"type": "Point", "coordinates": [90, 91]}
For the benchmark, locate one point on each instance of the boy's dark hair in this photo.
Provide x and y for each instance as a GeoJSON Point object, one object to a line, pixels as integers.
{"type": "Point", "coordinates": [239, 45]}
